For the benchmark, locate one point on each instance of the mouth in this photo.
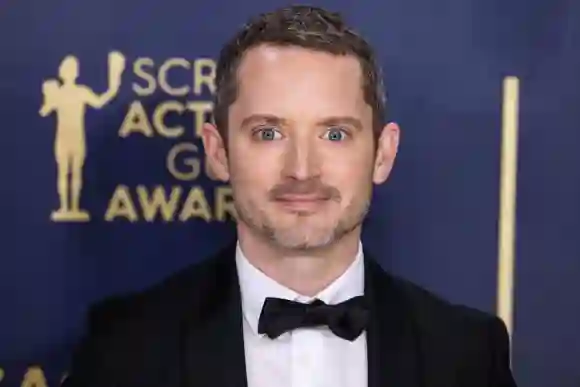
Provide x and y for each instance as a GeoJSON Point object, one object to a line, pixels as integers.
{"type": "Point", "coordinates": [301, 198]}
{"type": "Point", "coordinates": [301, 202]}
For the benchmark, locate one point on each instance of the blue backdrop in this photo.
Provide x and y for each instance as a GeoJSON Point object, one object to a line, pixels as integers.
{"type": "Point", "coordinates": [435, 222]}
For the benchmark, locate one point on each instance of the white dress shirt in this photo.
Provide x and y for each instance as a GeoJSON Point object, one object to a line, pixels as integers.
{"type": "Point", "coordinates": [306, 357]}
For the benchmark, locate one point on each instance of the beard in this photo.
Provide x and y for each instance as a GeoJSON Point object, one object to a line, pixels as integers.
{"type": "Point", "coordinates": [302, 231]}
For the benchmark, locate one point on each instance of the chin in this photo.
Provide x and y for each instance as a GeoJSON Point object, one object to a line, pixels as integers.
{"type": "Point", "coordinates": [306, 214]}
{"type": "Point", "coordinates": [303, 242]}
{"type": "Point", "coordinates": [303, 237]}
{"type": "Point", "coordinates": [307, 222]}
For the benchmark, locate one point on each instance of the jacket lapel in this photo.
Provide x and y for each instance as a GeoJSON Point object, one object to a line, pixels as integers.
{"type": "Point", "coordinates": [393, 353]}
{"type": "Point", "coordinates": [213, 353]}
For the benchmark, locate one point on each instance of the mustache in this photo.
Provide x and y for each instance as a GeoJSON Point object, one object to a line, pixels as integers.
{"type": "Point", "coordinates": [307, 187]}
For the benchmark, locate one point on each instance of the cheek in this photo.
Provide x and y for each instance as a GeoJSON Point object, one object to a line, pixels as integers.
{"type": "Point", "coordinates": [252, 171]}
{"type": "Point", "coordinates": [352, 177]}
{"type": "Point", "coordinates": [349, 170]}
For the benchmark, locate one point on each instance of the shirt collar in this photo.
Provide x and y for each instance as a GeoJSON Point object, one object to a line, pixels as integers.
{"type": "Point", "coordinates": [255, 286]}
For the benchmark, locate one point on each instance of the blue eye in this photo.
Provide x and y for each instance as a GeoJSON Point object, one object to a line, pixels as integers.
{"type": "Point", "coordinates": [268, 134]}
{"type": "Point", "coordinates": [335, 134]}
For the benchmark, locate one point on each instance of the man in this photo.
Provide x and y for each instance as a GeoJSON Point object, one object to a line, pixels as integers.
{"type": "Point", "coordinates": [295, 302]}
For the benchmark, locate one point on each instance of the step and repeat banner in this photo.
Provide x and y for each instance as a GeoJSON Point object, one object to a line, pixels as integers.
{"type": "Point", "coordinates": [104, 187]}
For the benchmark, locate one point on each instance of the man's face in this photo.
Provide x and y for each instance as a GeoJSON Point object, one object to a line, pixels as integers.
{"type": "Point", "coordinates": [301, 158]}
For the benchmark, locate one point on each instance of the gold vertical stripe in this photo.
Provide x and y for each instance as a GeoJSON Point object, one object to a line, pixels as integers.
{"type": "Point", "coordinates": [507, 224]}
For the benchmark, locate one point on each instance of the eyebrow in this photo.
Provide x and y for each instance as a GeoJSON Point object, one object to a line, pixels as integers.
{"type": "Point", "coordinates": [269, 119]}
{"type": "Point", "coordinates": [346, 120]}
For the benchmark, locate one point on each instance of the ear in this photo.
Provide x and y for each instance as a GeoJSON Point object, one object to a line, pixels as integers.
{"type": "Point", "coordinates": [215, 152]}
{"type": "Point", "coordinates": [387, 147]}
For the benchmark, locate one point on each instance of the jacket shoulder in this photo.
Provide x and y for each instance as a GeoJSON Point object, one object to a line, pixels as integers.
{"type": "Point", "coordinates": [425, 303]}
{"type": "Point", "coordinates": [124, 334]}
{"type": "Point", "coordinates": [457, 337]}
{"type": "Point", "coordinates": [193, 288]}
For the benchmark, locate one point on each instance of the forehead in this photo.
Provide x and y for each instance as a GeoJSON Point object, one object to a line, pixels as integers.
{"type": "Point", "coordinates": [284, 80]}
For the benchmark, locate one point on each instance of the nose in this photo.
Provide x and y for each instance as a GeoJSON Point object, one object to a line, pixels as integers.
{"type": "Point", "coordinates": [301, 160]}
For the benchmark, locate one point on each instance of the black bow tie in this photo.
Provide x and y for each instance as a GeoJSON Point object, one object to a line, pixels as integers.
{"type": "Point", "coordinates": [347, 319]}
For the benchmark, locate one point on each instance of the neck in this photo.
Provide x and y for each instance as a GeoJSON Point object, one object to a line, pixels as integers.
{"type": "Point", "coordinates": [305, 272]}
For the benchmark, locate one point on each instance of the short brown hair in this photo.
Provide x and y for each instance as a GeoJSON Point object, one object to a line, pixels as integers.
{"type": "Point", "coordinates": [303, 26]}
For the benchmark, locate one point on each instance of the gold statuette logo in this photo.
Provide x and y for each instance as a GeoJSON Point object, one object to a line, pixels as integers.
{"type": "Point", "coordinates": [68, 100]}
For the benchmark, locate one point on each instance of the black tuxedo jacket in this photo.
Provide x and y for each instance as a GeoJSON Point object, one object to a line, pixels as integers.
{"type": "Point", "coordinates": [187, 332]}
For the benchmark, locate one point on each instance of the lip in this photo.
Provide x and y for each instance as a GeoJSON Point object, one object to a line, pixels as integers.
{"type": "Point", "coordinates": [301, 198]}
{"type": "Point", "coordinates": [307, 203]}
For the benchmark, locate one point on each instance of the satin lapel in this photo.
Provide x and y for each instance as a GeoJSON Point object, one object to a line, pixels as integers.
{"type": "Point", "coordinates": [213, 353]}
{"type": "Point", "coordinates": [393, 356]}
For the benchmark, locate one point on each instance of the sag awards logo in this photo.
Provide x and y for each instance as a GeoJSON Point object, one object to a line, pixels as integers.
{"type": "Point", "coordinates": [68, 101]}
